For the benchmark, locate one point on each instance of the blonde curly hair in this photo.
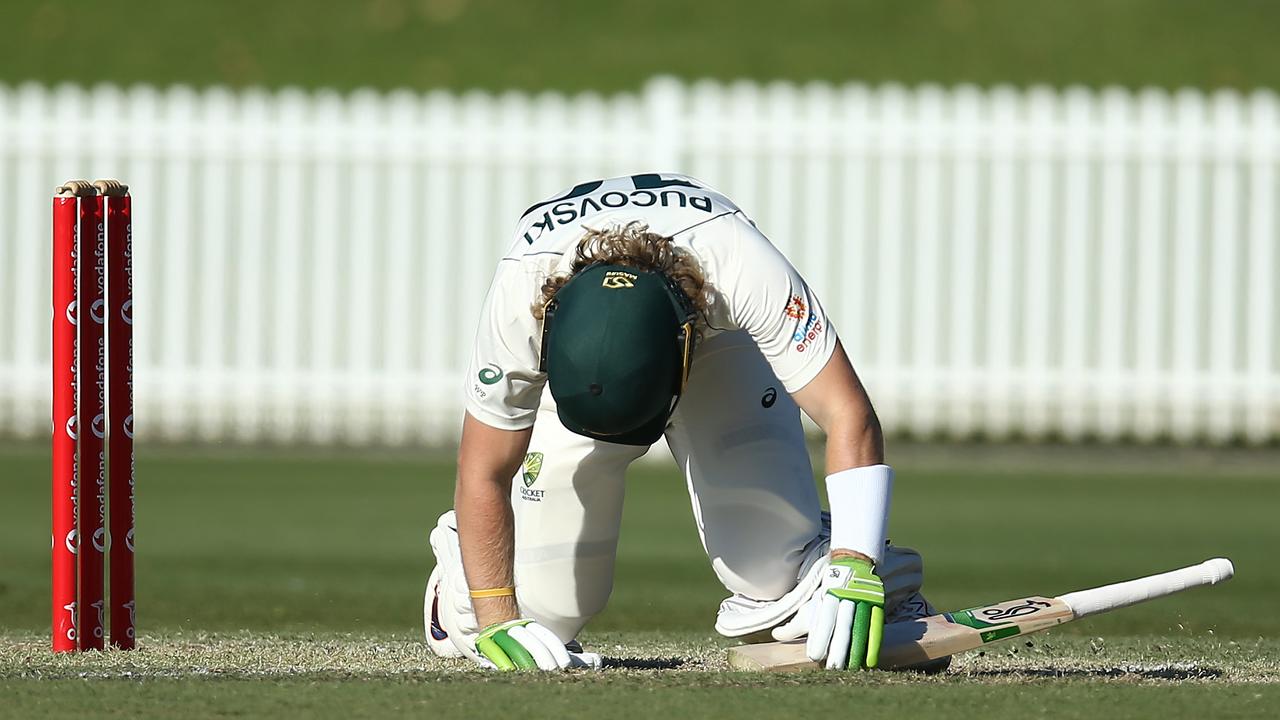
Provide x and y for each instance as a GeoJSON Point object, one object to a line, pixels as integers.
{"type": "Point", "coordinates": [632, 245]}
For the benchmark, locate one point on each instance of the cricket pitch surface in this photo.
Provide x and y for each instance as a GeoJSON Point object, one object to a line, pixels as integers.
{"type": "Point", "coordinates": [335, 676]}
{"type": "Point", "coordinates": [286, 585]}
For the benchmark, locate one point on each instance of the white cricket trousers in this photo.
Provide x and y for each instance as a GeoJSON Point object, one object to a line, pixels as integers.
{"type": "Point", "coordinates": [737, 437]}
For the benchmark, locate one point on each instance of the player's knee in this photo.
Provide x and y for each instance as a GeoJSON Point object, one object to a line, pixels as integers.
{"type": "Point", "coordinates": [761, 558]}
{"type": "Point", "coordinates": [565, 599]}
{"type": "Point", "coordinates": [564, 616]}
{"type": "Point", "coordinates": [756, 578]}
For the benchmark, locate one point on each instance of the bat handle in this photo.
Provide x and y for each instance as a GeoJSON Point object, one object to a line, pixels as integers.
{"type": "Point", "coordinates": [1110, 597]}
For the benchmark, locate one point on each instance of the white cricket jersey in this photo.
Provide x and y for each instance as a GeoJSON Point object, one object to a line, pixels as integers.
{"type": "Point", "coordinates": [755, 288]}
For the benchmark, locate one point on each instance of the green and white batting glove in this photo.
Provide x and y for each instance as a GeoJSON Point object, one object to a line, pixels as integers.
{"type": "Point", "coordinates": [848, 625]}
{"type": "Point", "coordinates": [522, 645]}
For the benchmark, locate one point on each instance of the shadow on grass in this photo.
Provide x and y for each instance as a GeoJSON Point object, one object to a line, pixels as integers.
{"type": "Point", "coordinates": [1158, 673]}
{"type": "Point", "coordinates": [673, 663]}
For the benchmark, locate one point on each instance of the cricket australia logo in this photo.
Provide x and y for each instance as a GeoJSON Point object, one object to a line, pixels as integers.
{"type": "Point", "coordinates": [529, 471]}
{"type": "Point", "coordinates": [532, 466]}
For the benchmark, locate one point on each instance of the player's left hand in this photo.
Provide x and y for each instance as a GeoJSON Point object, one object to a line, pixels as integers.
{"type": "Point", "coordinates": [522, 645]}
{"type": "Point", "coordinates": [847, 627]}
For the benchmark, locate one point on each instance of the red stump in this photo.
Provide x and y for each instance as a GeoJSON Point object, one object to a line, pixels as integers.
{"type": "Point", "coordinates": [120, 414]}
{"type": "Point", "coordinates": [65, 541]}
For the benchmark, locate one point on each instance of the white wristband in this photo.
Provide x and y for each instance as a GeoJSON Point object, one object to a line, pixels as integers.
{"type": "Point", "coordinates": [860, 508]}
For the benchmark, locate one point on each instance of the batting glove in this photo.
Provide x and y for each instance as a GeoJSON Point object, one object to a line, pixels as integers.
{"type": "Point", "coordinates": [849, 624]}
{"type": "Point", "coordinates": [522, 645]}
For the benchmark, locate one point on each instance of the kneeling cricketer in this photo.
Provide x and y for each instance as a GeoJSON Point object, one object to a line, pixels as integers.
{"type": "Point", "coordinates": [626, 310]}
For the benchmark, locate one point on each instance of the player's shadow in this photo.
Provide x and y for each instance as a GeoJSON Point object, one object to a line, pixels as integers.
{"type": "Point", "coordinates": [670, 663]}
{"type": "Point", "coordinates": [1165, 673]}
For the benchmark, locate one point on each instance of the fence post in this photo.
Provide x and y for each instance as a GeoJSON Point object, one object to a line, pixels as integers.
{"type": "Point", "coordinates": [665, 103]}
{"type": "Point", "coordinates": [1262, 380]}
{"type": "Point", "coordinates": [1222, 394]}
{"type": "Point", "coordinates": [1186, 388]}
{"type": "Point", "coordinates": [1151, 318]}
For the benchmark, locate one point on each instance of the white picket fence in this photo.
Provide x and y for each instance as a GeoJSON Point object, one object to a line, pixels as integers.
{"type": "Point", "coordinates": [999, 263]}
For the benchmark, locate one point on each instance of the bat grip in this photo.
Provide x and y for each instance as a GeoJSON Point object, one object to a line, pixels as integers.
{"type": "Point", "coordinates": [1110, 597]}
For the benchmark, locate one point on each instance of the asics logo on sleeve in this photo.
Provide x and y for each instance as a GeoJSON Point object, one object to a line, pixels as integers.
{"type": "Point", "coordinates": [490, 375]}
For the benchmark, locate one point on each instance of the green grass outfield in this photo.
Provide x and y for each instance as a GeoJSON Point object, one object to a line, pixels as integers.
{"type": "Point", "coordinates": [618, 44]}
{"type": "Point", "coordinates": [272, 582]}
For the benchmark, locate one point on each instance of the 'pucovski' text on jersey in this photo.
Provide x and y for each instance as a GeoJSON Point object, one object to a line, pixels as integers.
{"type": "Point", "coordinates": [755, 288]}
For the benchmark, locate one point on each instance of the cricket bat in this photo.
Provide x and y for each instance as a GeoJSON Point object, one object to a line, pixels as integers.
{"type": "Point", "coordinates": [916, 641]}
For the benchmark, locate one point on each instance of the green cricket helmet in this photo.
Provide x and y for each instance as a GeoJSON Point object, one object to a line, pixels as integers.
{"type": "Point", "coordinates": [616, 346]}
